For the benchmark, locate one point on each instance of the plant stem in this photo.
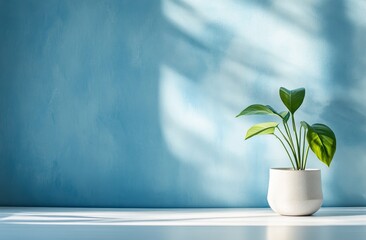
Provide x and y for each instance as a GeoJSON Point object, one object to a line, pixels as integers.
{"type": "Point", "coordinates": [287, 128]}
{"type": "Point", "coordinates": [291, 147]}
{"type": "Point", "coordinates": [288, 154]}
{"type": "Point", "coordinates": [297, 140]}
{"type": "Point", "coordinates": [306, 157]}
{"type": "Point", "coordinates": [303, 147]}
{"type": "Point", "coordinates": [301, 156]}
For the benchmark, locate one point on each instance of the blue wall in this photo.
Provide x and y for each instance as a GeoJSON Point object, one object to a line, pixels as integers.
{"type": "Point", "coordinates": [132, 103]}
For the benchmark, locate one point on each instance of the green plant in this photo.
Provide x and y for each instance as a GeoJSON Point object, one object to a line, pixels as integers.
{"type": "Point", "coordinates": [320, 138]}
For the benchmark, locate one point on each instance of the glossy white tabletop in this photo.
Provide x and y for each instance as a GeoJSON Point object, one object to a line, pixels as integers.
{"type": "Point", "coordinates": [102, 223]}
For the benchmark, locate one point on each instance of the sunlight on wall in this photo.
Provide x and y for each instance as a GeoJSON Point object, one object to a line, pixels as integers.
{"type": "Point", "coordinates": [256, 49]}
{"type": "Point", "coordinates": [263, 47]}
{"type": "Point", "coordinates": [194, 134]}
{"type": "Point", "coordinates": [253, 49]}
{"type": "Point", "coordinates": [356, 12]}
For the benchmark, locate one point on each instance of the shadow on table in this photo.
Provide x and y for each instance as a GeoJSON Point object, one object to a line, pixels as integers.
{"type": "Point", "coordinates": [341, 212]}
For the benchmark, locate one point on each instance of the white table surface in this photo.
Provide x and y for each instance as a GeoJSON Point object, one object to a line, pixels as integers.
{"type": "Point", "coordinates": [200, 223]}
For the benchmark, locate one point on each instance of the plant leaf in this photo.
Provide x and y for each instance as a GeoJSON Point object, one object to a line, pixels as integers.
{"type": "Point", "coordinates": [261, 128]}
{"type": "Point", "coordinates": [305, 124]}
{"type": "Point", "coordinates": [292, 98]}
{"type": "Point", "coordinates": [285, 115]}
{"type": "Point", "coordinates": [257, 109]}
{"type": "Point", "coordinates": [322, 142]}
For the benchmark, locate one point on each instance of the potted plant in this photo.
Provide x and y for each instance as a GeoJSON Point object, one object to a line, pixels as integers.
{"type": "Point", "coordinates": [296, 190]}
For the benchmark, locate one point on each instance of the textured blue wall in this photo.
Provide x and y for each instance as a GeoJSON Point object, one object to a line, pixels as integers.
{"type": "Point", "coordinates": [132, 103]}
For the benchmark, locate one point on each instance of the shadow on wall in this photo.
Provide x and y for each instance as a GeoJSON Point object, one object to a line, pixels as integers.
{"type": "Point", "coordinates": [343, 26]}
{"type": "Point", "coordinates": [80, 106]}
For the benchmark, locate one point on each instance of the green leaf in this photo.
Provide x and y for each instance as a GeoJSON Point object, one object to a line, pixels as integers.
{"type": "Point", "coordinates": [304, 124]}
{"type": "Point", "coordinates": [322, 142]}
{"type": "Point", "coordinates": [292, 98]}
{"type": "Point", "coordinates": [285, 115]}
{"type": "Point", "coordinates": [257, 109]}
{"type": "Point", "coordinates": [261, 128]}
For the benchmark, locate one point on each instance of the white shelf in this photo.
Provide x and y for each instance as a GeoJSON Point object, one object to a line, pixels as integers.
{"type": "Point", "coordinates": [92, 223]}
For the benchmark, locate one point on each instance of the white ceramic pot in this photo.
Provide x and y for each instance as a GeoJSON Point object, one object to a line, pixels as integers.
{"type": "Point", "coordinates": [295, 192]}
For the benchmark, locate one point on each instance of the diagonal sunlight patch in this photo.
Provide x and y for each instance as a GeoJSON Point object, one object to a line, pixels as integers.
{"type": "Point", "coordinates": [184, 105]}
